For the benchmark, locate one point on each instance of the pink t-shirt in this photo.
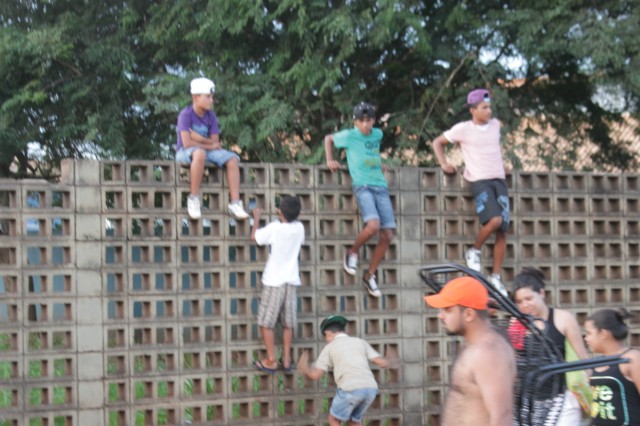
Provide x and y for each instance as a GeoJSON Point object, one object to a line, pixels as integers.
{"type": "Point", "coordinates": [480, 149]}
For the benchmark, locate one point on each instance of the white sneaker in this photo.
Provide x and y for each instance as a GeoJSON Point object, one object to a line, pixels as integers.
{"type": "Point", "coordinates": [473, 259]}
{"type": "Point", "coordinates": [371, 283]}
{"type": "Point", "coordinates": [496, 281]}
{"type": "Point", "coordinates": [193, 207]}
{"type": "Point", "coordinates": [236, 209]}
{"type": "Point", "coordinates": [350, 263]}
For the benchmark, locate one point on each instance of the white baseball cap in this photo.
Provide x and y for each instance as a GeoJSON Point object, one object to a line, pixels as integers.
{"type": "Point", "coordinates": [202, 86]}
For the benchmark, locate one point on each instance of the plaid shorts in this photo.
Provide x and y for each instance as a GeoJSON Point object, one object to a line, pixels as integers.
{"type": "Point", "coordinates": [277, 304]}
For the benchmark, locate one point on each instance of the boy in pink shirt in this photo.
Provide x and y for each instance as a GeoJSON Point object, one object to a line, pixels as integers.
{"type": "Point", "coordinates": [479, 139]}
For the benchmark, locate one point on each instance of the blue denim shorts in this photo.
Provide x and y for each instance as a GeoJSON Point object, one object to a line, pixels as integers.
{"type": "Point", "coordinates": [375, 204]}
{"type": "Point", "coordinates": [351, 405]}
{"type": "Point", "coordinates": [219, 157]}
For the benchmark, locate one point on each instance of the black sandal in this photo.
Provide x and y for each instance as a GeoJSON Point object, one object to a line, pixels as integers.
{"type": "Point", "coordinates": [285, 369]}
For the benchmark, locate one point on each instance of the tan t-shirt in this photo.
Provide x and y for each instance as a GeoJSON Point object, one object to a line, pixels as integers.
{"type": "Point", "coordinates": [349, 358]}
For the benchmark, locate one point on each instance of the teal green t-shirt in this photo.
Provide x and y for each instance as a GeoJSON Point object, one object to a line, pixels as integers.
{"type": "Point", "coordinates": [363, 155]}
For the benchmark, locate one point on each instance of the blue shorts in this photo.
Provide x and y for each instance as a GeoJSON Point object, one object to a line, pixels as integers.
{"type": "Point", "coordinates": [351, 405]}
{"type": "Point", "coordinates": [219, 157]}
{"type": "Point", "coordinates": [375, 204]}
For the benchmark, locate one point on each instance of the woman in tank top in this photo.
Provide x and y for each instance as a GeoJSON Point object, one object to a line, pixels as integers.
{"type": "Point", "coordinates": [560, 325]}
{"type": "Point", "coordinates": [616, 388]}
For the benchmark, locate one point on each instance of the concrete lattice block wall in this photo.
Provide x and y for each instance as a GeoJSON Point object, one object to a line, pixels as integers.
{"type": "Point", "coordinates": [117, 309]}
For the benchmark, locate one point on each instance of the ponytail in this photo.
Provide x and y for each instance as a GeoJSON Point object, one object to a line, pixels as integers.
{"type": "Point", "coordinates": [612, 320]}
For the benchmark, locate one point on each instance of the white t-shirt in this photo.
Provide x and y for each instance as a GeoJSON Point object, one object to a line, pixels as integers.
{"type": "Point", "coordinates": [349, 358]}
{"type": "Point", "coordinates": [481, 151]}
{"type": "Point", "coordinates": [285, 240]}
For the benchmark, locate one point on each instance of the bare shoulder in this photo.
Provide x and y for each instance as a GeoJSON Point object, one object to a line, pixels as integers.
{"type": "Point", "coordinates": [500, 344]}
{"type": "Point", "coordinates": [632, 368]}
{"type": "Point", "coordinates": [634, 355]}
{"type": "Point", "coordinates": [564, 318]}
{"type": "Point", "coordinates": [493, 360]}
{"type": "Point", "coordinates": [562, 313]}
{"type": "Point", "coordinates": [493, 347]}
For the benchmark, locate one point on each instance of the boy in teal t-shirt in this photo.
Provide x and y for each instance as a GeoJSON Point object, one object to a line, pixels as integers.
{"type": "Point", "coordinates": [362, 144]}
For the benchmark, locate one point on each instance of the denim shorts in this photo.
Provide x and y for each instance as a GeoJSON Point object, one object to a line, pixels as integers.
{"type": "Point", "coordinates": [492, 200]}
{"type": "Point", "coordinates": [219, 157]}
{"type": "Point", "coordinates": [351, 405]}
{"type": "Point", "coordinates": [375, 204]}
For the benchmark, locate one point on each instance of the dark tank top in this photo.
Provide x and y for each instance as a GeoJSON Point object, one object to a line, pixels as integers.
{"type": "Point", "coordinates": [554, 334]}
{"type": "Point", "coordinates": [616, 400]}
{"type": "Point", "coordinates": [555, 385]}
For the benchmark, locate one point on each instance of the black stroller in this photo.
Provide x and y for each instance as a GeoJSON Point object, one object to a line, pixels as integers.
{"type": "Point", "coordinates": [540, 384]}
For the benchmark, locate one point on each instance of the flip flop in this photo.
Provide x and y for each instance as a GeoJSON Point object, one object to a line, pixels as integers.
{"type": "Point", "coordinates": [283, 368]}
{"type": "Point", "coordinates": [260, 366]}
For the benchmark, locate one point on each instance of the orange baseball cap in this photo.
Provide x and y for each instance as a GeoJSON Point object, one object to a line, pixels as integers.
{"type": "Point", "coordinates": [464, 291]}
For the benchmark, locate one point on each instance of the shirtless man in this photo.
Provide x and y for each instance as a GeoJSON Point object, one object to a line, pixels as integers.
{"type": "Point", "coordinates": [484, 374]}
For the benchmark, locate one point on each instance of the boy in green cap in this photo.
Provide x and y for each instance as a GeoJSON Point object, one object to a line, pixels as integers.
{"type": "Point", "coordinates": [349, 358]}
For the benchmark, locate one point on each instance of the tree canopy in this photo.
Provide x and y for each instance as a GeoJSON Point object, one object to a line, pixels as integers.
{"type": "Point", "coordinates": [107, 79]}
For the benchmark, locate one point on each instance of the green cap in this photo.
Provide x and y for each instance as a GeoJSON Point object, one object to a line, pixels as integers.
{"type": "Point", "coordinates": [332, 319]}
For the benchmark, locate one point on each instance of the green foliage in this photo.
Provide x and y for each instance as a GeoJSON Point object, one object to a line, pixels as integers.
{"type": "Point", "coordinates": [108, 79]}
{"type": "Point", "coordinates": [59, 395]}
{"type": "Point", "coordinates": [140, 418]}
{"type": "Point", "coordinates": [5, 369]}
{"type": "Point", "coordinates": [5, 398]}
{"type": "Point", "coordinates": [5, 341]}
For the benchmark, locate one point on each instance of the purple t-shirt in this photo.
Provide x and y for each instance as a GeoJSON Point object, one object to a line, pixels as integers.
{"type": "Point", "coordinates": [206, 125]}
